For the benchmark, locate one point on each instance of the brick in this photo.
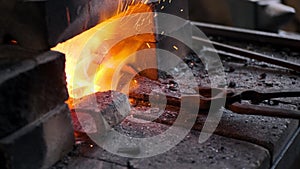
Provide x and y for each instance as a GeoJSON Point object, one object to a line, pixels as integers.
{"type": "Point", "coordinates": [86, 163]}
{"type": "Point", "coordinates": [217, 152]}
{"type": "Point", "coordinates": [30, 85]}
{"type": "Point", "coordinates": [39, 144]}
{"type": "Point", "coordinates": [269, 132]}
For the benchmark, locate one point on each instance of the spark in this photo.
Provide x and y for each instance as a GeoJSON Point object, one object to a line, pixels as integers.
{"type": "Point", "coordinates": [14, 42]}
{"type": "Point", "coordinates": [175, 47]}
{"type": "Point", "coordinates": [148, 45]}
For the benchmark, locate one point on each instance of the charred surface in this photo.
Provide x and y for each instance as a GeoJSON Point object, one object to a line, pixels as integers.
{"type": "Point", "coordinates": [100, 112]}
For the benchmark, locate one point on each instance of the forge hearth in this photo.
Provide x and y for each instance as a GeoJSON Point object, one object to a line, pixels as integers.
{"type": "Point", "coordinates": [240, 141]}
{"type": "Point", "coordinates": [37, 128]}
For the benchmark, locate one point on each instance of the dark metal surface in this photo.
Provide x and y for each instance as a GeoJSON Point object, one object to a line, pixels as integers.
{"type": "Point", "coordinates": [267, 15]}
{"type": "Point", "coordinates": [42, 24]}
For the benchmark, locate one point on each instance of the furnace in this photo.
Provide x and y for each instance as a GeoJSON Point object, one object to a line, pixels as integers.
{"type": "Point", "coordinates": [136, 84]}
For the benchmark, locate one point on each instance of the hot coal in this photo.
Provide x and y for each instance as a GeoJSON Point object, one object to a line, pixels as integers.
{"type": "Point", "coordinates": [91, 111]}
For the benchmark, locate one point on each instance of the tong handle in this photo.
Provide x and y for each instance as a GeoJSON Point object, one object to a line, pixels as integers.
{"type": "Point", "coordinates": [206, 97]}
{"type": "Point", "coordinates": [248, 109]}
{"type": "Point", "coordinates": [257, 97]}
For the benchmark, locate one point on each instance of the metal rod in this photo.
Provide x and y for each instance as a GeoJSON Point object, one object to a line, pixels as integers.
{"type": "Point", "coordinates": [257, 97]}
{"type": "Point", "coordinates": [241, 108]}
{"type": "Point", "coordinates": [250, 35]}
{"type": "Point", "coordinates": [251, 54]}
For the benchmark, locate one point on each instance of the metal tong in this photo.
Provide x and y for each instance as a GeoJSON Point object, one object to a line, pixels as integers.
{"type": "Point", "coordinates": [234, 101]}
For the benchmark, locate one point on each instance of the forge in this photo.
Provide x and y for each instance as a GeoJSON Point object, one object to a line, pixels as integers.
{"type": "Point", "coordinates": [137, 84]}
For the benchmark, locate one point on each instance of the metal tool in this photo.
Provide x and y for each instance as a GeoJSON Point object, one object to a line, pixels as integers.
{"type": "Point", "coordinates": [234, 101]}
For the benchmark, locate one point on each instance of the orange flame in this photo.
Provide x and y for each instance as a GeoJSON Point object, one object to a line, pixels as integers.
{"type": "Point", "coordinates": [93, 56]}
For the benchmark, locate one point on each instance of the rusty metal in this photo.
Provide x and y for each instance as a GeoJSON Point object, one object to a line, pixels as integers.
{"type": "Point", "coordinates": [257, 97]}
{"type": "Point", "coordinates": [234, 99]}
{"type": "Point", "coordinates": [208, 94]}
{"type": "Point", "coordinates": [251, 54]}
{"type": "Point", "coordinates": [281, 40]}
{"type": "Point", "coordinates": [250, 109]}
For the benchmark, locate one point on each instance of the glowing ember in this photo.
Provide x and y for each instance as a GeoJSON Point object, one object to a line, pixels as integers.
{"type": "Point", "coordinates": [93, 56]}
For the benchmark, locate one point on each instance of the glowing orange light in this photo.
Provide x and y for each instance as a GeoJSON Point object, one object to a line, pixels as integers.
{"type": "Point", "coordinates": [175, 47]}
{"type": "Point", "coordinates": [90, 64]}
{"type": "Point", "coordinates": [14, 42]}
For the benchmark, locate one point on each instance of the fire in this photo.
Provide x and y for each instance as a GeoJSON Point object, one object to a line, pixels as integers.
{"type": "Point", "coordinates": [93, 56]}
